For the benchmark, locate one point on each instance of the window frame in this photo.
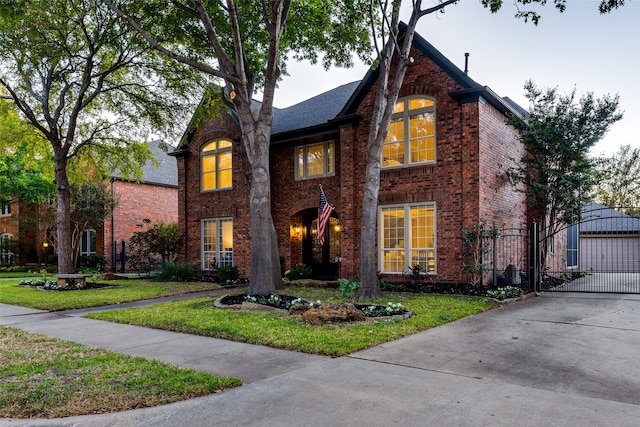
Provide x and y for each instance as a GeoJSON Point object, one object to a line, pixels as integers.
{"type": "Point", "coordinates": [405, 116]}
{"type": "Point", "coordinates": [5, 208]}
{"type": "Point", "coordinates": [6, 257]}
{"type": "Point", "coordinates": [215, 153]}
{"type": "Point", "coordinates": [329, 153]}
{"type": "Point", "coordinates": [573, 246]}
{"type": "Point", "coordinates": [223, 256]}
{"type": "Point", "coordinates": [86, 235]}
{"type": "Point", "coordinates": [430, 253]}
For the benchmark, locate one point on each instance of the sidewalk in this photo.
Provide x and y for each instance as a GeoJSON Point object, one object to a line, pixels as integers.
{"type": "Point", "coordinates": [556, 360]}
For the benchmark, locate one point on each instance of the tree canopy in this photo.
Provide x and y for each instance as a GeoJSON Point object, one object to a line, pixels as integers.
{"type": "Point", "coordinates": [618, 180]}
{"type": "Point", "coordinates": [91, 87]}
{"type": "Point", "coordinates": [557, 172]}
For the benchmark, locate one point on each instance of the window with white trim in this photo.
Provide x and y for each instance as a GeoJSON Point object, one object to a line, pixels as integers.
{"type": "Point", "coordinates": [216, 165]}
{"type": "Point", "coordinates": [217, 243]}
{"type": "Point", "coordinates": [407, 238]}
{"type": "Point", "coordinates": [88, 243]}
{"type": "Point", "coordinates": [572, 246]}
{"type": "Point", "coordinates": [411, 137]}
{"type": "Point", "coordinates": [5, 209]}
{"type": "Point", "coordinates": [315, 160]}
{"type": "Point", "coordinates": [6, 255]}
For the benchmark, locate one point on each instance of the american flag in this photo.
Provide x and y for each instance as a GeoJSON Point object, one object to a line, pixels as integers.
{"type": "Point", "coordinates": [324, 213]}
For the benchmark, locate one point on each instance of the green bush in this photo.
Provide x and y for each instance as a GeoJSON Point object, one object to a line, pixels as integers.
{"type": "Point", "coordinates": [300, 271]}
{"type": "Point", "coordinates": [228, 273]}
{"type": "Point", "coordinates": [176, 272]}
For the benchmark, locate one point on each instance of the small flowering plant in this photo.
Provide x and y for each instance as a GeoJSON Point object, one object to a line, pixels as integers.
{"type": "Point", "coordinates": [383, 310]}
{"type": "Point", "coordinates": [277, 301]}
{"type": "Point", "coordinates": [505, 292]}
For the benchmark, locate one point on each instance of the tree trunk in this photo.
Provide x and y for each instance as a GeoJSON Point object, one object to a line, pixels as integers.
{"type": "Point", "coordinates": [65, 252]}
{"type": "Point", "coordinates": [369, 287]}
{"type": "Point", "coordinates": [265, 261]}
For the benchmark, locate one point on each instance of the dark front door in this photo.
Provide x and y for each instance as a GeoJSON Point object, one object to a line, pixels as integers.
{"type": "Point", "coordinates": [323, 259]}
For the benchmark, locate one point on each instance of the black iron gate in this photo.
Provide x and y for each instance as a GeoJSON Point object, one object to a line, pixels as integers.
{"type": "Point", "coordinates": [600, 254]}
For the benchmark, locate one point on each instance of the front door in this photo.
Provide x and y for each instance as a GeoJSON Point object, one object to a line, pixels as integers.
{"type": "Point", "coordinates": [323, 260]}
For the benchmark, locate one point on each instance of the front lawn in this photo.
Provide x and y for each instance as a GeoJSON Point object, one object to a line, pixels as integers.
{"type": "Point", "coordinates": [120, 291]}
{"type": "Point", "coordinates": [48, 378]}
{"type": "Point", "coordinates": [198, 316]}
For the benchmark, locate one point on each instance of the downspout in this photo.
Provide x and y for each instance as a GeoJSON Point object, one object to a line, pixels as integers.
{"type": "Point", "coordinates": [113, 227]}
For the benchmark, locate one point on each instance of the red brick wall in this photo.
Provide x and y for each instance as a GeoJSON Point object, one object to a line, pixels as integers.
{"type": "Point", "coordinates": [136, 202]}
{"type": "Point", "coordinates": [196, 205]}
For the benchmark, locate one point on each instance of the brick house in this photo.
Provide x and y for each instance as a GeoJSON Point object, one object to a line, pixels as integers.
{"type": "Point", "coordinates": [155, 197]}
{"type": "Point", "coordinates": [444, 169]}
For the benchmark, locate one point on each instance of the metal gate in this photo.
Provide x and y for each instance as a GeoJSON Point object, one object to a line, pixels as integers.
{"type": "Point", "coordinates": [599, 254]}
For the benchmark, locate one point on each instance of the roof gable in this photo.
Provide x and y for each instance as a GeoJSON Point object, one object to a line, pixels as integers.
{"type": "Point", "coordinates": [166, 171]}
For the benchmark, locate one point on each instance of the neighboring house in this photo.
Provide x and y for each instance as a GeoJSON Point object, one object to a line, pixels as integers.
{"type": "Point", "coordinates": [609, 240]}
{"type": "Point", "coordinates": [443, 169]}
{"type": "Point", "coordinates": [155, 198]}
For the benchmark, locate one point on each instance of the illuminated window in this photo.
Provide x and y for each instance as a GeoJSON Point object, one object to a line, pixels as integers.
{"type": "Point", "coordinates": [315, 160]}
{"type": "Point", "coordinates": [408, 238]}
{"type": "Point", "coordinates": [411, 137]}
{"type": "Point", "coordinates": [216, 165]}
{"type": "Point", "coordinates": [217, 243]}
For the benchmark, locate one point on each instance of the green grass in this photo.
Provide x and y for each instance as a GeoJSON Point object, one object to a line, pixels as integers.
{"type": "Point", "coordinates": [198, 316]}
{"type": "Point", "coordinates": [17, 274]}
{"type": "Point", "coordinates": [48, 378]}
{"type": "Point", "coordinates": [122, 291]}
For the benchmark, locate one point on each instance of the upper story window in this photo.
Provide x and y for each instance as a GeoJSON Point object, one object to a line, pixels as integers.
{"type": "Point", "coordinates": [411, 137]}
{"type": "Point", "coordinates": [315, 160]}
{"type": "Point", "coordinates": [5, 208]}
{"type": "Point", "coordinates": [216, 165]}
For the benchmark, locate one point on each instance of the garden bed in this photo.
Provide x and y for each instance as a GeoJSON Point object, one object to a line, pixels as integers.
{"type": "Point", "coordinates": [285, 303]}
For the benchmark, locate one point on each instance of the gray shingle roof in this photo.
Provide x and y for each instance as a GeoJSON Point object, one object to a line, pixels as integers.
{"type": "Point", "coordinates": [313, 111]}
{"type": "Point", "coordinates": [165, 173]}
{"type": "Point", "coordinates": [599, 219]}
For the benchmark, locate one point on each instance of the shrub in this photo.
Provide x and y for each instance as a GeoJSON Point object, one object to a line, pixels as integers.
{"type": "Point", "coordinates": [300, 271]}
{"type": "Point", "coordinates": [93, 262]}
{"type": "Point", "coordinates": [347, 287]}
{"type": "Point", "coordinates": [228, 273]}
{"type": "Point", "coordinates": [176, 272]}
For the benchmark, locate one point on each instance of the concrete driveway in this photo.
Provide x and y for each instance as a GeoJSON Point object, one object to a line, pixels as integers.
{"type": "Point", "coordinates": [553, 360]}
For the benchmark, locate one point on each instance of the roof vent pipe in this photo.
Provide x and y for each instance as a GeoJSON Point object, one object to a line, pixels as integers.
{"type": "Point", "coordinates": [466, 63]}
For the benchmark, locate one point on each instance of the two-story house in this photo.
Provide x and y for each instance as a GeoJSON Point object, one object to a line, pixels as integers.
{"type": "Point", "coordinates": [444, 168]}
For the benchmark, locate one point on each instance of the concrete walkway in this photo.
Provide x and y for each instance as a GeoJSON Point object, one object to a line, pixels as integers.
{"type": "Point", "coordinates": [554, 360]}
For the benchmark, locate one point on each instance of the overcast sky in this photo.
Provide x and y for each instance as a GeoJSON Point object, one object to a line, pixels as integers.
{"type": "Point", "coordinates": [578, 49]}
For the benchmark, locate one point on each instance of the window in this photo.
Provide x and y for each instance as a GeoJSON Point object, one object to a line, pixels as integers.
{"type": "Point", "coordinates": [411, 137]}
{"type": "Point", "coordinates": [408, 238]}
{"type": "Point", "coordinates": [216, 165]}
{"type": "Point", "coordinates": [88, 243]}
{"type": "Point", "coordinates": [6, 255]}
{"type": "Point", "coordinates": [315, 160]}
{"type": "Point", "coordinates": [5, 208]}
{"type": "Point", "coordinates": [572, 245]}
{"type": "Point", "coordinates": [217, 243]}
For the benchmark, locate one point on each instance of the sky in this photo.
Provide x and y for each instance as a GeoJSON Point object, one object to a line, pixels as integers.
{"type": "Point", "coordinates": [578, 49]}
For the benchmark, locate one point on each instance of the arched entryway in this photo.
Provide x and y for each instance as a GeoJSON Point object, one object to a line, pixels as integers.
{"type": "Point", "coordinates": [324, 260]}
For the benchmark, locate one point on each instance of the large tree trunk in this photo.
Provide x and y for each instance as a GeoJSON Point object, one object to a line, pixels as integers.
{"type": "Point", "coordinates": [265, 261]}
{"type": "Point", "coordinates": [64, 246]}
{"type": "Point", "coordinates": [369, 287]}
